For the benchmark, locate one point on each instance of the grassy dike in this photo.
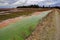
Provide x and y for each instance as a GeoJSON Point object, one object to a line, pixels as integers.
{"type": "Point", "coordinates": [21, 29]}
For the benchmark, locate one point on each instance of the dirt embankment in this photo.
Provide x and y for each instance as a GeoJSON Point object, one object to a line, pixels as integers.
{"type": "Point", "coordinates": [46, 30]}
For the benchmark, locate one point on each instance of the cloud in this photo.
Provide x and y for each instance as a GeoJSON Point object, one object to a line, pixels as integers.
{"type": "Point", "coordinates": [48, 3]}
{"type": "Point", "coordinates": [25, 2]}
{"type": "Point", "coordinates": [18, 3]}
{"type": "Point", "coordinates": [7, 3]}
{"type": "Point", "coordinates": [4, 4]}
{"type": "Point", "coordinates": [15, 3]}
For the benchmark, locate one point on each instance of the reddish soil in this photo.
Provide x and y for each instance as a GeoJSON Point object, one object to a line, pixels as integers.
{"type": "Point", "coordinates": [9, 21]}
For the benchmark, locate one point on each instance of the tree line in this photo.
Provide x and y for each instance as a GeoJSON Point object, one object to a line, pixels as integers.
{"type": "Point", "coordinates": [36, 6]}
{"type": "Point", "coordinates": [30, 6]}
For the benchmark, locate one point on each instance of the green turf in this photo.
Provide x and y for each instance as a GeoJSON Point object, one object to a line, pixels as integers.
{"type": "Point", "coordinates": [21, 29]}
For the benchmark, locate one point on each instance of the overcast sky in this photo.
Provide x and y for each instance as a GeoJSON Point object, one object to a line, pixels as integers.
{"type": "Point", "coordinates": [15, 3]}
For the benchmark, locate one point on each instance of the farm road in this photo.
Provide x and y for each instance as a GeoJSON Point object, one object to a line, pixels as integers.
{"type": "Point", "coordinates": [57, 18]}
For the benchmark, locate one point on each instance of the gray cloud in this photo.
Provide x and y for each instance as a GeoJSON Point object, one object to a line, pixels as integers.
{"type": "Point", "coordinates": [15, 3]}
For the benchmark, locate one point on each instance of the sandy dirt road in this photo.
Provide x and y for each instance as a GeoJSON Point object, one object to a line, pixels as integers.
{"type": "Point", "coordinates": [57, 19]}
